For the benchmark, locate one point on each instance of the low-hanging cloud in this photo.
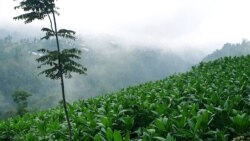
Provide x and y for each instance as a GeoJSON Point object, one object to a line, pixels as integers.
{"type": "Point", "coordinates": [205, 25]}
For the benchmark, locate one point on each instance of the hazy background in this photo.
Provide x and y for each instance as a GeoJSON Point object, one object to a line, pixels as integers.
{"type": "Point", "coordinates": [202, 24]}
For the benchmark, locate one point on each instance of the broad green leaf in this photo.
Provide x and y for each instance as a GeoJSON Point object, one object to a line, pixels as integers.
{"type": "Point", "coordinates": [117, 136]}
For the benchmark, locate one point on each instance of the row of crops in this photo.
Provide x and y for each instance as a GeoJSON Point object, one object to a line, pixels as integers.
{"type": "Point", "coordinates": [211, 103]}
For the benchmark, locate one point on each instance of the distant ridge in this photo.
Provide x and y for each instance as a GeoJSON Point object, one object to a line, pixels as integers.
{"type": "Point", "coordinates": [230, 49]}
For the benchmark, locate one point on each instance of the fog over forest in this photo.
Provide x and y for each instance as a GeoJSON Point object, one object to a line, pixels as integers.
{"type": "Point", "coordinates": [111, 63]}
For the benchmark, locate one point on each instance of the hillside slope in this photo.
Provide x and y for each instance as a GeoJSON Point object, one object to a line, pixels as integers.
{"type": "Point", "coordinates": [111, 67]}
{"type": "Point", "coordinates": [211, 103]}
{"type": "Point", "coordinates": [230, 49]}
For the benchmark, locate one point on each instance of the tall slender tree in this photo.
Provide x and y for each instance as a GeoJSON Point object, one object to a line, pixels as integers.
{"type": "Point", "coordinates": [60, 62]}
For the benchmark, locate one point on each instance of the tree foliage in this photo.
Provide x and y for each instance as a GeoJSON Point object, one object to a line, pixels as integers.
{"type": "Point", "coordinates": [67, 63]}
{"type": "Point", "coordinates": [35, 10]}
{"type": "Point", "coordinates": [61, 33]}
{"type": "Point", "coordinates": [20, 98]}
{"type": "Point", "coordinates": [38, 10]}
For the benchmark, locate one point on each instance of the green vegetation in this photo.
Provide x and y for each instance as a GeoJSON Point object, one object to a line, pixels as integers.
{"type": "Point", "coordinates": [210, 102]}
{"type": "Point", "coordinates": [20, 98]}
{"type": "Point", "coordinates": [19, 70]}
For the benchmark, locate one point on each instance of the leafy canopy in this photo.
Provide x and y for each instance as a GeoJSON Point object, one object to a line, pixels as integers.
{"type": "Point", "coordinates": [35, 9]}
{"type": "Point", "coordinates": [68, 65]}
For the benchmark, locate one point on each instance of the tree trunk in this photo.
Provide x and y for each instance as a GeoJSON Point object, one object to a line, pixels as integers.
{"type": "Point", "coordinates": [62, 81]}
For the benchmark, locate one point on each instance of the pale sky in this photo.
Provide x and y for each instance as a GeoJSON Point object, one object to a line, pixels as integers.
{"type": "Point", "coordinates": [178, 24]}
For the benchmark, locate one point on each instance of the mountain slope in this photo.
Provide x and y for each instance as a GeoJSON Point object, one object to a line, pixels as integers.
{"type": "Point", "coordinates": [211, 102]}
{"type": "Point", "coordinates": [111, 67]}
{"type": "Point", "coordinates": [229, 49]}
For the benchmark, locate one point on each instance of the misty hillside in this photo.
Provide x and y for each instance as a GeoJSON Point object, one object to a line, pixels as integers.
{"type": "Point", "coordinates": [210, 102]}
{"type": "Point", "coordinates": [230, 49]}
{"type": "Point", "coordinates": [112, 65]}
{"type": "Point", "coordinates": [124, 70]}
